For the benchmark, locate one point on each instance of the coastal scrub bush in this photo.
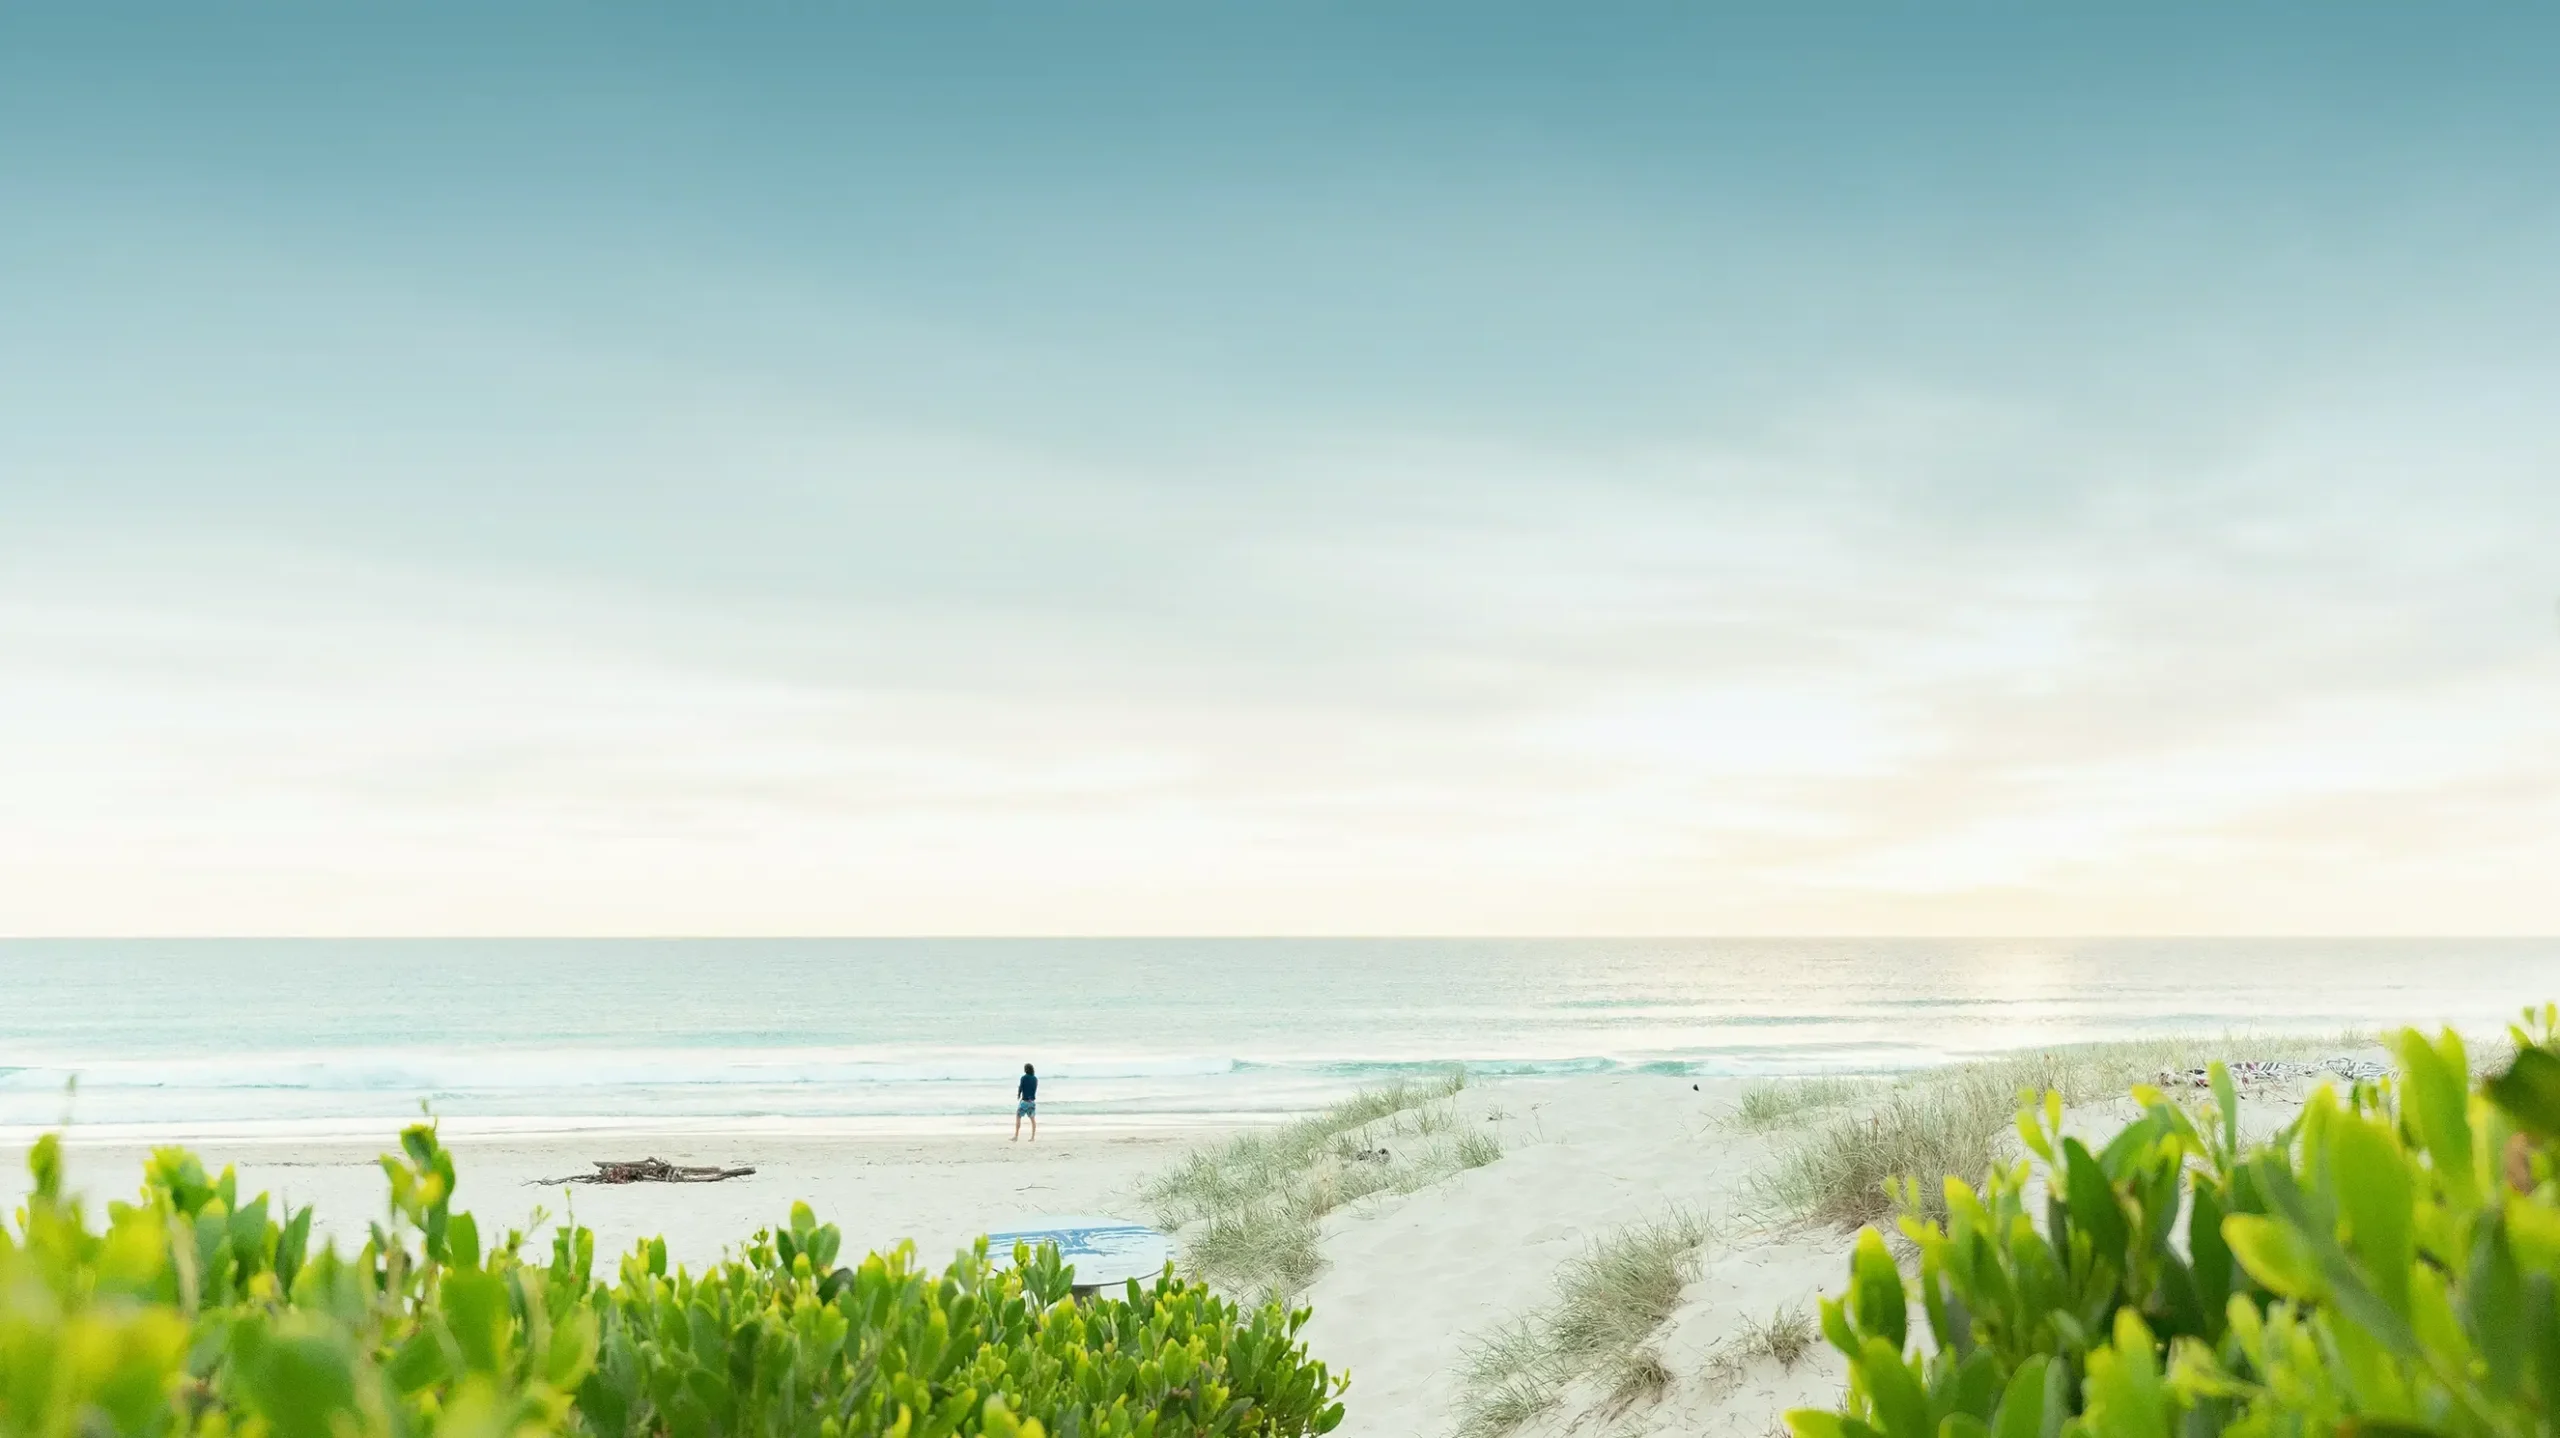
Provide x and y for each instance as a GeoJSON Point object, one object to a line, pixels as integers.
{"type": "Point", "coordinates": [192, 1312]}
{"type": "Point", "coordinates": [2385, 1264]}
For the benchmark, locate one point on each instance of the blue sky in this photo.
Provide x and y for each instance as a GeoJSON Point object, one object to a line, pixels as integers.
{"type": "Point", "coordinates": [1322, 469]}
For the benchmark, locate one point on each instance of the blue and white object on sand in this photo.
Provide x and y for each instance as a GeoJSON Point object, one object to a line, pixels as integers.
{"type": "Point", "coordinates": [1102, 1250]}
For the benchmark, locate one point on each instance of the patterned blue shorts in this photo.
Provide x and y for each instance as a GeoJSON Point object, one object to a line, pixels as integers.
{"type": "Point", "coordinates": [1025, 1109]}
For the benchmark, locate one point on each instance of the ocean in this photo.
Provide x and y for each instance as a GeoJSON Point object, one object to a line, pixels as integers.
{"type": "Point", "coordinates": [243, 1038]}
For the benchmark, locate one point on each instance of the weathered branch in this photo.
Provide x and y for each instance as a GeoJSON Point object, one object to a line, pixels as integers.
{"type": "Point", "coordinates": [649, 1170]}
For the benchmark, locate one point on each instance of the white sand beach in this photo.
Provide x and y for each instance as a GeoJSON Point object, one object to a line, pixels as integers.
{"type": "Point", "coordinates": [1410, 1281]}
{"type": "Point", "coordinates": [938, 1192]}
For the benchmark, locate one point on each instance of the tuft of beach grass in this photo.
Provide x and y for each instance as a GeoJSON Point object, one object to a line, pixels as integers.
{"type": "Point", "coordinates": [1607, 1304]}
{"type": "Point", "coordinates": [1254, 1204]}
{"type": "Point", "coordinates": [1774, 1103]}
{"type": "Point", "coordinates": [1783, 1338]}
{"type": "Point", "coordinates": [1955, 1121]}
{"type": "Point", "coordinates": [1478, 1149]}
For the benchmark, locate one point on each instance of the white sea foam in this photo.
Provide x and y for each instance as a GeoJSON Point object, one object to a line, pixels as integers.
{"type": "Point", "coordinates": [486, 1070]}
{"type": "Point", "coordinates": [185, 1036]}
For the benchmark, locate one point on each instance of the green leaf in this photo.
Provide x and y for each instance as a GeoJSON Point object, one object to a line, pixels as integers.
{"type": "Point", "coordinates": [2021, 1412]}
{"type": "Point", "coordinates": [1902, 1406]}
{"type": "Point", "coordinates": [2117, 1159]}
{"type": "Point", "coordinates": [292, 1246]}
{"type": "Point", "coordinates": [2184, 1309]}
{"type": "Point", "coordinates": [2493, 1303]}
{"type": "Point", "coordinates": [248, 1236]}
{"type": "Point", "coordinates": [1823, 1423]}
{"type": "Point", "coordinates": [2376, 1194]}
{"type": "Point", "coordinates": [1974, 1389]}
{"type": "Point", "coordinates": [2311, 1219]}
{"type": "Point", "coordinates": [44, 1165]}
{"type": "Point", "coordinates": [2274, 1254]}
{"type": "Point", "coordinates": [1935, 1292]}
{"type": "Point", "coordinates": [2212, 1257]}
{"type": "Point", "coordinates": [2093, 1203]}
{"type": "Point", "coordinates": [417, 1363]}
{"type": "Point", "coordinates": [2125, 1397]}
{"type": "Point", "coordinates": [2069, 1331]}
{"type": "Point", "coordinates": [462, 1241]}
{"type": "Point", "coordinates": [301, 1385]}
{"type": "Point", "coordinates": [1876, 1292]}
{"type": "Point", "coordinates": [2157, 1196]}
{"type": "Point", "coordinates": [2032, 1136]}
{"type": "Point", "coordinates": [573, 1349]}
{"type": "Point", "coordinates": [475, 1308]}
{"type": "Point", "coordinates": [2435, 1094]}
{"type": "Point", "coordinates": [2529, 1092]}
{"type": "Point", "coordinates": [1835, 1323]}
{"type": "Point", "coordinates": [2542, 1337]}
{"type": "Point", "coordinates": [2226, 1102]}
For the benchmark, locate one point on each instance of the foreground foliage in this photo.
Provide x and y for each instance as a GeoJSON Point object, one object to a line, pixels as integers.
{"type": "Point", "coordinates": [2385, 1264]}
{"type": "Point", "coordinates": [192, 1312]}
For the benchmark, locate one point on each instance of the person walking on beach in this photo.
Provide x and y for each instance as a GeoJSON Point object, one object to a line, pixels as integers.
{"type": "Point", "coordinates": [1028, 1106]}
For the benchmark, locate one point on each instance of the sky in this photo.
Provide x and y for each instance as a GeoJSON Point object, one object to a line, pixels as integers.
{"type": "Point", "coordinates": [1323, 468]}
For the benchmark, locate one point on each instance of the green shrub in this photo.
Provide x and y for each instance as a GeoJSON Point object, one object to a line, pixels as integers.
{"type": "Point", "coordinates": [193, 1313]}
{"type": "Point", "coordinates": [2385, 1264]}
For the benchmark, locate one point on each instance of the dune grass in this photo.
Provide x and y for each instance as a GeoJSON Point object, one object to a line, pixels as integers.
{"type": "Point", "coordinates": [1785, 1337]}
{"type": "Point", "coordinates": [1956, 1120]}
{"type": "Point", "coordinates": [1608, 1303]}
{"type": "Point", "coordinates": [1774, 1103]}
{"type": "Point", "coordinates": [1254, 1204]}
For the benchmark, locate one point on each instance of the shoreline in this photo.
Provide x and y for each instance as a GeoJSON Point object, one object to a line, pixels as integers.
{"type": "Point", "coordinates": [1317, 1085]}
{"type": "Point", "coordinates": [483, 1129]}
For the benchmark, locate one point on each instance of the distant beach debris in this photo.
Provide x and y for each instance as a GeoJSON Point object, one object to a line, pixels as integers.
{"type": "Point", "coordinates": [2262, 1071]}
{"type": "Point", "coordinates": [649, 1170]}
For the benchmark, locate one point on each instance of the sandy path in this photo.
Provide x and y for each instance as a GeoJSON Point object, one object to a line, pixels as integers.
{"type": "Point", "coordinates": [1413, 1280]}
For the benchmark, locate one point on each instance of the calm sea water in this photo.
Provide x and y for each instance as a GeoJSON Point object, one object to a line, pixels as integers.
{"type": "Point", "coordinates": [251, 1036]}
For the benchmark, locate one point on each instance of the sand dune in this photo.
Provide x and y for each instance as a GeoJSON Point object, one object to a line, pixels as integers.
{"type": "Point", "coordinates": [1413, 1280]}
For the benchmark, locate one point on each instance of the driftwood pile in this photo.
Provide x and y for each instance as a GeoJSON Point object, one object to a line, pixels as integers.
{"type": "Point", "coordinates": [649, 1170]}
